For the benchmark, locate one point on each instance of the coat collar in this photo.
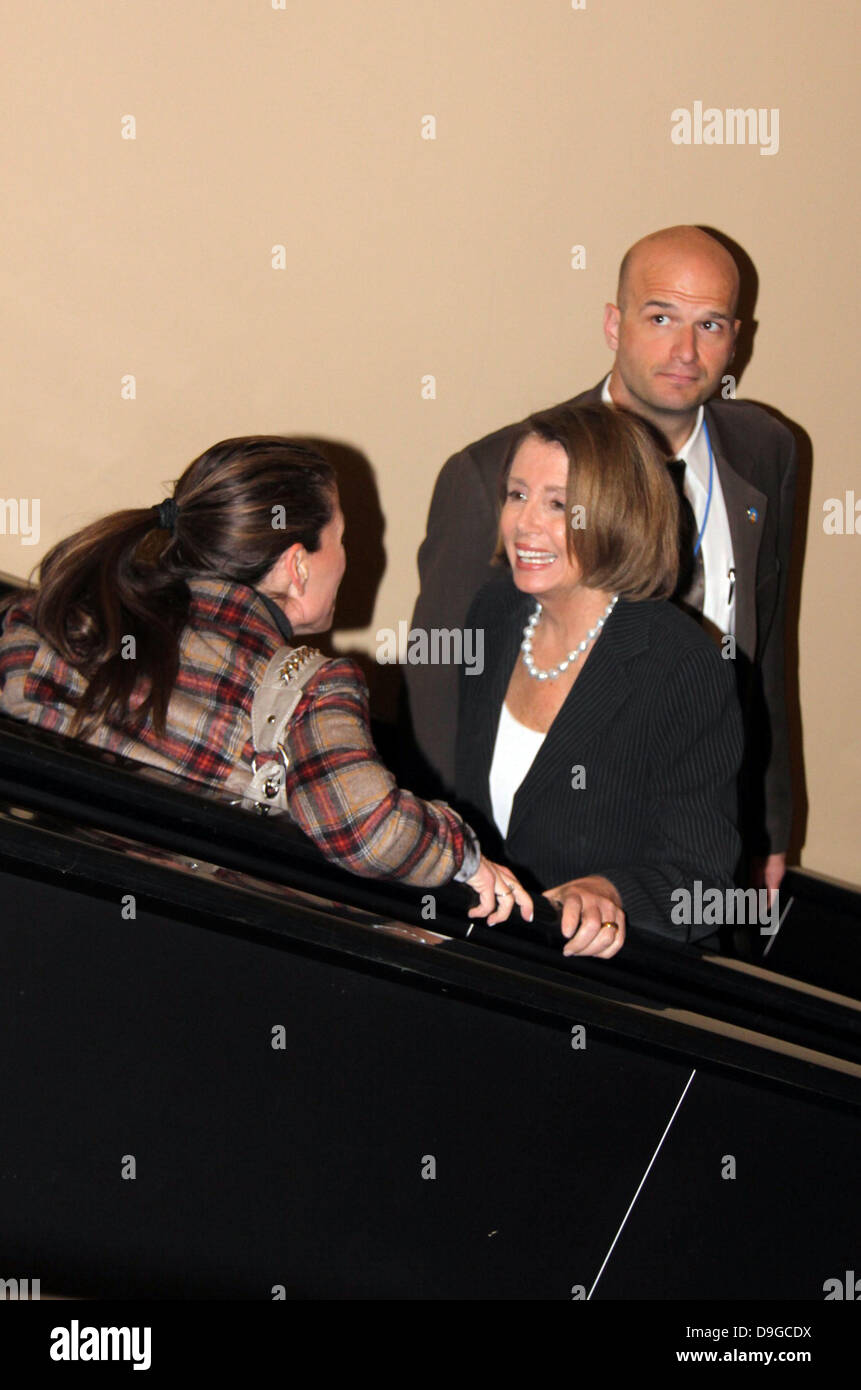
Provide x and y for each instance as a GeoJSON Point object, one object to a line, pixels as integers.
{"type": "Point", "coordinates": [236, 612]}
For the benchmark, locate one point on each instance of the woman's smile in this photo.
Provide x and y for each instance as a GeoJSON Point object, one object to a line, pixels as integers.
{"type": "Point", "coordinates": [528, 559]}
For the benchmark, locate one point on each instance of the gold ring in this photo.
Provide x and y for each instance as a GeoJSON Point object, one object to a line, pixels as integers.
{"type": "Point", "coordinates": [614, 925]}
{"type": "Point", "coordinates": [507, 893]}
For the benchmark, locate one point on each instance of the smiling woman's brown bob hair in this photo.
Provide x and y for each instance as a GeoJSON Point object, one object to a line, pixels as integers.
{"type": "Point", "coordinates": [627, 539]}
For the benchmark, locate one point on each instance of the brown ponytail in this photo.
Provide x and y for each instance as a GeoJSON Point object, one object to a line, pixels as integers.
{"type": "Point", "coordinates": [238, 507]}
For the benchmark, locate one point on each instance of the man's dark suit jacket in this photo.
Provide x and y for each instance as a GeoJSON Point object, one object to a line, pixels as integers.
{"type": "Point", "coordinates": [755, 457]}
{"type": "Point", "coordinates": [653, 722]}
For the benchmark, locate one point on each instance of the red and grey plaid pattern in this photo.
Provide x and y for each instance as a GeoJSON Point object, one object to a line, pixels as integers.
{"type": "Point", "coordinates": [226, 645]}
{"type": "Point", "coordinates": [339, 792]}
{"type": "Point", "coordinates": [344, 798]}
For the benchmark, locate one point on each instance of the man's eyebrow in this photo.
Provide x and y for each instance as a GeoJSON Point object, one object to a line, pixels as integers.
{"type": "Point", "coordinates": [668, 304]}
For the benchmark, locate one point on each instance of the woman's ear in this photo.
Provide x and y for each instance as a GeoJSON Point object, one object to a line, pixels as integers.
{"type": "Point", "coordinates": [288, 577]}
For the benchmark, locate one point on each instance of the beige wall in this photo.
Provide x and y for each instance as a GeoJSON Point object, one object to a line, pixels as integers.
{"type": "Point", "coordinates": [405, 256]}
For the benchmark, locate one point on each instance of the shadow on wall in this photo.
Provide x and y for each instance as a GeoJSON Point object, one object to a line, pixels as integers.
{"type": "Point", "coordinates": [366, 565]}
{"type": "Point", "coordinates": [748, 292]}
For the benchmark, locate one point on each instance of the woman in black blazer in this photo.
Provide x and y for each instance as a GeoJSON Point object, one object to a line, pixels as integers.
{"type": "Point", "coordinates": [602, 739]}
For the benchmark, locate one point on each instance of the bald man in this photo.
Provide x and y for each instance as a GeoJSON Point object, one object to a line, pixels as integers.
{"type": "Point", "coordinates": [673, 331]}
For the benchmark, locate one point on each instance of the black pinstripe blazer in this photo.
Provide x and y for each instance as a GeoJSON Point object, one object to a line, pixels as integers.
{"type": "Point", "coordinates": [654, 721]}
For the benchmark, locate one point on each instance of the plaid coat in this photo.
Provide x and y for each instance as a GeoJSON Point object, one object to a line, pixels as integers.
{"type": "Point", "coordinates": [339, 792]}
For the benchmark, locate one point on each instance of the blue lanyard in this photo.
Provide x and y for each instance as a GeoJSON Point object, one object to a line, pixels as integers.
{"type": "Point", "coordinates": [711, 480]}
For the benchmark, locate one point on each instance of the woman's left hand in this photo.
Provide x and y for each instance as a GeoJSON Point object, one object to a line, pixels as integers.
{"type": "Point", "coordinates": [592, 917]}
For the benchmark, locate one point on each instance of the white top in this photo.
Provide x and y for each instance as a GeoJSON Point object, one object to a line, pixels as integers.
{"type": "Point", "coordinates": [514, 753]}
{"type": "Point", "coordinates": [719, 599]}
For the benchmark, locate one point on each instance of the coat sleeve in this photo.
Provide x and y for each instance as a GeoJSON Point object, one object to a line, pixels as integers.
{"type": "Point", "coordinates": [778, 782]}
{"type": "Point", "coordinates": [454, 562]}
{"type": "Point", "coordinates": [696, 749]}
{"type": "Point", "coordinates": [346, 801]}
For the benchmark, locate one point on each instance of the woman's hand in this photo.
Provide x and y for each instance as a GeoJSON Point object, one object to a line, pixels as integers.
{"type": "Point", "coordinates": [497, 888]}
{"type": "Point", "coordinates": [592, 917]}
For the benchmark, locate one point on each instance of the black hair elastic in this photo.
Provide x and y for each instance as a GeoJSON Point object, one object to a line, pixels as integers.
{"type": "Point", "coordinates": [167, 514]}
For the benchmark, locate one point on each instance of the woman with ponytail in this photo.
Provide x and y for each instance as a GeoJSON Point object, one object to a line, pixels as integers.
{"type": "Point", "coordinates": [149, 633]}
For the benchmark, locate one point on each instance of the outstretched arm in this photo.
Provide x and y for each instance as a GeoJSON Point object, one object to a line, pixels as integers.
{"type": "Point", "coordinates": [346, 801]}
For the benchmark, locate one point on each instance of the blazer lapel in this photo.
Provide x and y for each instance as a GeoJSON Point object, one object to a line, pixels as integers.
{"type": "Point", "coordinates": [592, 703]}
{"type": "Point", "coordinates": [745, 508]}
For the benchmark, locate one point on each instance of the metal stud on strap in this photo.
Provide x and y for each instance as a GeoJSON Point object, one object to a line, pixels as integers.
{"type": "Point", "coordinates": [295, 661]}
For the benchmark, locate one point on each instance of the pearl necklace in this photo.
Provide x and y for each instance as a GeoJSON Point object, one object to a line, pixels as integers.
{"type": "Point", "coordinates": [556, 671]}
